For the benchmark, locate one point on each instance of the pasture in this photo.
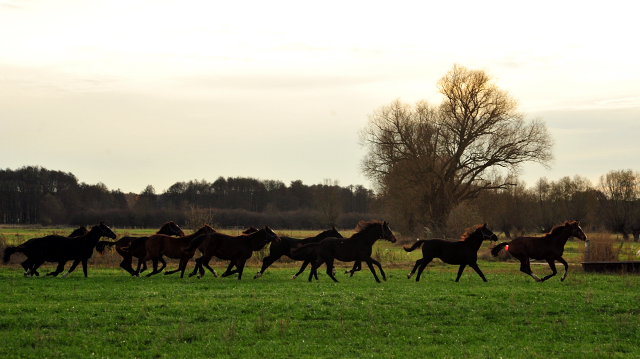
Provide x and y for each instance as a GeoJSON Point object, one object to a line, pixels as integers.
{"type": "Point", "coordinates": [110, 314]}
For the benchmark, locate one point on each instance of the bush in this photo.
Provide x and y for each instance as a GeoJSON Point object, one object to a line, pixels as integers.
{"type": "Point", "coordinates": [602, 248]}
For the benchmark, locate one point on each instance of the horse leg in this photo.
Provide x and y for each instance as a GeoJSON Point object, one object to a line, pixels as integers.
{"type": "Point", "coordinates": [73, 267]}
{"type": "Point", "coordinates": [266, 262]}
{"type": "Point", "coordinates": [196, 267]}
{"type": "Point", "coordinates": [34, 267]}
{"type": "Point", "coordinates": [370, 264]}
{"type": "Point", "coordinates": [566, 268]}
{"type": "Point", "coordinates": [206, 265]}
{"type": "Point", "coordinates": [552, 265]}
{"type": "Point", "coordinates": [423, 264]}
{"type": "Point", "coordinates": [59, 269]}
{"type": "Point", "coordinates": [240, 268]}
{"type": "Point", "coordinates": [525, 267]}
{"type": "Point", "coordinates": [302, 268]}
{"type": "Point", "coordinates": [460, 270]}
{"type": "Point", "coordinates": [329, 264]}
{"type": "Point", "coordinates": [477, 269]}
{"type": "Point", "coordinates": [314, 269]}
{"type": "Point", "coordinates": [357, 266]}
{"type": "Point", "coordinates": [384, 276]}
{"type": "Point", "coordinates": [415, 267]}
{"type": "Point", "coordinates": [84, 267]}
{"type": "Point", "coordinates": [228, 271]}
{"type": "Point", "coordinates": [183, 266]}
{"type": "Point", "coordinates": [155, 266]}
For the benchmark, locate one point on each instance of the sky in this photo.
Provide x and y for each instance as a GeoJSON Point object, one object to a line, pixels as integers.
{"type": "Point", "coordinates": [132, 93]}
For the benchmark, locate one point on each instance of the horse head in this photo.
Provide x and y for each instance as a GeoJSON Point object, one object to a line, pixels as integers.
{"type": "Point", "coordinates": [576, 230]}
{"type": "Point", "coordinates": [106, 231]}
{"type": "Point", "coordinates": [271, 235]}
{"type": "Point", "coordinates": [486, 233]}
{"type": "Point", "coordinates": [386, 232]}
{"type": "Point", "coordinates": [250, 230]}
{"type": "Point", "coordinates": [174, 229]}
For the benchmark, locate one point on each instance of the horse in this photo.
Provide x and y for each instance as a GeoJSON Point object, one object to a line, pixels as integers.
{"type": "Point", "coordinates": [158, 245]}
{"type": "Point", "coordinates": [463, 252]}
{"type": "Point", "coordinates": [287, 244]}
{"type": "Point", "coordinates": [80, 231]}
{"type": "Point", "coordinates": [548, 247]}
{"type": "Point", "coordinates": [169, 228]}
{"type": "Point", "coordinates": [200, 268]}
{"type": "Point", "coordinates": [59, 249]}
{"type": "Point", "coordinates": [235, 249]}
{"type": "Point", "coordinates": [358, 247]}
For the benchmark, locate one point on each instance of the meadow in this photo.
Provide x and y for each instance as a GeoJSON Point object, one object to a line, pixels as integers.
{"type": "Point", "coordinates": [112, 315]}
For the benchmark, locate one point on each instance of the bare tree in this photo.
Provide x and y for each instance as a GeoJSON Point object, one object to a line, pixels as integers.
{"type": "Point", "coordinates": [329, 202]}
{"type": "Point", "coordinates": [438, 157]}
{"type": "Point", "coordinates": [618, 199]}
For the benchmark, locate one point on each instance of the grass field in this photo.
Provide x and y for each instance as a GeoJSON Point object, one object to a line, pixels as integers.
{"type": "Point", "coordinates": [110, 314]}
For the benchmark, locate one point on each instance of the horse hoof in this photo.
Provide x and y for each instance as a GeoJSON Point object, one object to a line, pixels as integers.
{"type": "Point", "coordinates": [258, 275]}
{"type": "Point", "coordinates": [409, 275]}
{"type": "Point", "coordinates": [384, 279]}
{"type": "Point", "coordinates": [294, 276]}
{"type": "Point", "coordinates": [66, 274]}
{"type": "Point", "coordinates": [215, 274]}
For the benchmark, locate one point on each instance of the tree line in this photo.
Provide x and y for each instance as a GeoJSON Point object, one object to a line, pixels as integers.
{"type": "Point", "coordinates": [35, 195]}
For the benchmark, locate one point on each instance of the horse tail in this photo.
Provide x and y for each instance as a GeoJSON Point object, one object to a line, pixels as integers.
{"type": "Point", "coordinates": [416, 245]}
{"type": "Point", "coordinates": [135, 244]}
{"type": "Point", "coordinates": [102, 245]}
{"type": "Point", "coordinates": [195, 243]}
{"type": "Point", "coordinates": [8, 252]}
{"type": "Point", "coordinates": [495, 250]}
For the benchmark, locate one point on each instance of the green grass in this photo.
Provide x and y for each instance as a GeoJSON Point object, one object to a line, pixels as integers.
{"type": "Point", "coordinates": [113, 315]}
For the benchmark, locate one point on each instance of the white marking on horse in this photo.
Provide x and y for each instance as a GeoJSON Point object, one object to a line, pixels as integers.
{"type": "Point", "coordinates": [294, 276]}
{"type": "Point", "coordinates": [258, 275]}
{"type": "Point", "coordinates": [536, 277]}
{"type": "Point", "coordinates": [65, 274]}
{"type": "Point", "coordinates": [409, 275]}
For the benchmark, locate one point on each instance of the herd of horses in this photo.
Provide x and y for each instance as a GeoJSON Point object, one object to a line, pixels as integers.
{"type": "Point", "coordinates": [325, 248]}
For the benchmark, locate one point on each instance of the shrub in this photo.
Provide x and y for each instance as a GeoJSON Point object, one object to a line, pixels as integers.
{"type": "Point", "coordinates": [602, 248]}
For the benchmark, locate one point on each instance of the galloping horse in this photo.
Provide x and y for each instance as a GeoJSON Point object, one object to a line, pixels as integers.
{"type": "Point", "coordinates": [549, 247]}
{"type": "Point", "coordinates": [287, 244]}
{"type": "Point", "coordinates": [201, 248]}
{"type": "Point", "coordinates": [80, 231]}
{"type": "Point", "coordinates": [158, 245]}
{"type": "Point", "coordinates": [169, 228]}
{"type": "Point", "coordinates": [463, 252]}
{"type": "Point", "coordinates": [358, 247]}
{"type": "Point", "coordinates": [235, 249]}
{"type": "Point", "coordinates": [59, 249]}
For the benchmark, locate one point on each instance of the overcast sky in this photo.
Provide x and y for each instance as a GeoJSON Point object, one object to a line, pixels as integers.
{"type": "Point", "coordinates": [131, 93]}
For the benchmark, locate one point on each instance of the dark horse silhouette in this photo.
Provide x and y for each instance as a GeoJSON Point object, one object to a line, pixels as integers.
{"type": "Point", "coordinates": [236, 249]}
{"type": "Point", "coordinates": [158, 245]}
{"type": "Point", "coordinates": [463, 252]}
{"type": "Point", "coordinates": [548, 247]}
{"type": "Point", "coordinates": [229, 271]}
{"type": "Point", "coordinates": [80, 231]}
{"type": "Point", "coordinates": [358, 247]}
{"type": "Point", "coordinates": [59, 249]}
{"type": "Point", "coordinates": [169, 228]}
{"type": "Point", "coordinates": [287, 244]}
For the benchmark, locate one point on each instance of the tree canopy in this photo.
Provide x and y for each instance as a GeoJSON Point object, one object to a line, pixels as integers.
{"type": "Point", "coordinates": [425, 159]}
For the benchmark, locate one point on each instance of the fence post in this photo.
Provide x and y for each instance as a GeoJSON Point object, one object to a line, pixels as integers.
{"type": "Point", "coordinates": [586, 251]}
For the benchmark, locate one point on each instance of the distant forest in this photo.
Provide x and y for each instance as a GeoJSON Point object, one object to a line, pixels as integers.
{"type": "Point", "coordinates": [35, 195]}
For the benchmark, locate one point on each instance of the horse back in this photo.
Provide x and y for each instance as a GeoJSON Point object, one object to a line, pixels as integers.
{"type": "Point", "coordinates": [450, 252]}
{"type": "Point", "coordinates": [535, 247]}
{"type": "Point", "coordinates": [344, 249]}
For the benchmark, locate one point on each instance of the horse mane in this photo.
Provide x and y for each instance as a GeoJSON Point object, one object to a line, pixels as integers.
{"type": "Point", "coordinates": [365, 225]}
{"type": "Point", "coordinates": [555, 230]}
{"type": "Point", "coordinates": [469, 231]}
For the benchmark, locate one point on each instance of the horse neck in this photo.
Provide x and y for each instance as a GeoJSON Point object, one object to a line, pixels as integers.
{"type": "Point", "coordinates": [560, 238]}
{"type": "Point", "coordinates": [367, 237]}
{"type": "Point", "coordinates": [194, 235]}
{"type": "Point", "coordinates": [474, 240]}
{"type": "Point", "coordinates": [93, 235]}
{"type": "Point", "coordinates": [257, 240]}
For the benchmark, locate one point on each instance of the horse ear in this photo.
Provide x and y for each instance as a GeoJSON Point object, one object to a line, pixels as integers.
{"type": "Point", "coordinates": [484, 226]}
